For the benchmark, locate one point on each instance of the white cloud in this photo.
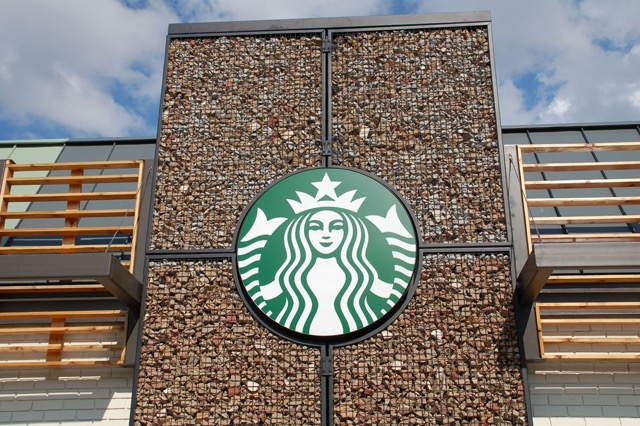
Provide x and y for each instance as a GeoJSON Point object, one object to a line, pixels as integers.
{"type": "Point", "coordinates": [634, 95]}
{"type": "Point", "coordinates": [215, 10]}
{"type": "Point", "coordinates": [561, 42]}
{"type": "Point", "coordinates": [559, 107]}
{"type": "Point", "coordinates": [93, 68]}
{"type": "Point", "coordinates": [60, 62]}
{"type": "Point", "coordinates": [512, 103]}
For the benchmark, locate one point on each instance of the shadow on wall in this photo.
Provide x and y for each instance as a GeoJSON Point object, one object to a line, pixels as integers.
{"type": "Point", "coordinates": [65, 395]}
{"type": "Point", "coordinates": [594, 393]}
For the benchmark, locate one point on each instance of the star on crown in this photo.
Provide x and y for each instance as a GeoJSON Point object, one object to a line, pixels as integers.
{"type": "Point", "coordinates": [326, 197]}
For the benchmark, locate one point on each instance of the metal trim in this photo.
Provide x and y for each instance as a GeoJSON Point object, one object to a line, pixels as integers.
{"type": "Point", "coordinates": [415, 27]}
{"type": "Point", "coordinates": [353, 23]}
{"type": "Point", "coordinates": [156, 154]}
{"type": "Point", "coordinates": [624, 125]}
{"type": "Point", "coordinates": [193, 254]}
{"type": "Point", "coordinates": [247, 33]}
{"type": "Point", "coordinates": [138, 346]}
{"type": "Point", "coordinates": [446, 248]}
{"type": "Point", "coordinates": [506, 205]}
{"type": "Point", "coordinates": [521, 317]}
{"type": "Point", "coordinates": [351, 338]}
{"type": "Point", "coordinates": [327, 101]}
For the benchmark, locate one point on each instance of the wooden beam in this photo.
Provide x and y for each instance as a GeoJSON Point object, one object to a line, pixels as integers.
{"type": "Point", "coordinates": [40, 364]}
{"type": "Point", "coordinates": [585, 201]}
{"type": "Point", "coordinates": [77, 165]}
{"type": "Point", "coordinates": [587, 305]}
{"type": "Point", "coordinates": [56, 338]}
{"type": "Point", "coordinates": [592, 320]}
{"type": "Point", "coordinates": [62, 329]}
{"type": "Point", "coordinates": [539, 330]}
{"type": "Point", "coordinates": [584, 220]}
{"type": "Point", "coordinates": [73, 205]}
{"type": "Point", "coordinates": [577, 167]}
{"type": "Point", "coordinates": [64, 249]}
{"type": "Point", "coordinates": [62, 214]}
{"type": "Point", "coordinates": [579, 237]}
{"type": "Point", "coordinates": [7, 173]}
{"type": "Point", "coordinates": [581, 184]}
{"type": "Point", "coordinates": [525, 210]}
{"type": "Point", "coordinates": [51, 288]}
{"type": "Point", "coordinates": [111, 313]}
{"type": "Point", "coordinates": [88, 230]}
{"type": "Point", "coordinates": [134, 236]}
{"type": "Point", "coordinates": [65, 347]}
{"type": "Point", "coordinates": [594, 278]}
{"type": "Point", "coordinates": [67, 196]}
{"type": "Point", "coordinates": [592, 340]}
{"type": "Point", "coordinates": [593, 356]}
{"type": "Point", "coordinates": [582, 147]}
{"type": "Point", "coordinates": [76, 180]}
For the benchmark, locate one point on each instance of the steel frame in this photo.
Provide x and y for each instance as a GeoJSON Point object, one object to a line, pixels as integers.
{"type": "Point", "coordinates": [328, 27]}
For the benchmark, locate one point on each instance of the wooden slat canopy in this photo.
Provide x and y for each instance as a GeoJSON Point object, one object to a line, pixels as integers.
{"type": "Point", "coordinates": [55, 338]}
{"type": "Point", "coordinates": [559, 208]}
{"type": "Point", "coordinates": [80, 180]}
{"type": "Point", "coordinates": [588, 331]}
{"type": "Point", "coordinates": [70, 239]}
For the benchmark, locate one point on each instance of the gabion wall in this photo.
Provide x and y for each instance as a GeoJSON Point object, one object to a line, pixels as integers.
{"type": "Point", "coordinates": [417, 109]}
{"type": "Point", "coordinates": [450, 358]}
{"type": "Point", "coordinates": [205, 360]}
{"type": "Point", "coordinates": [238, 112]}
{"type": "Point", "coordinates": [414, 107]}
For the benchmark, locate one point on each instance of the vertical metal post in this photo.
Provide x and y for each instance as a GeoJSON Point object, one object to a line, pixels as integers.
{"type": "Point", "coordinates": [326, 385]}
{"type": "Point", "coordinates": [326, 351]}
{"type": "Point", "coordinates": [326, 99]}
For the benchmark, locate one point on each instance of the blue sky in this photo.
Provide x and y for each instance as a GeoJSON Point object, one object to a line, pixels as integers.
{"type": "Point", "coordinates": [78, 68]}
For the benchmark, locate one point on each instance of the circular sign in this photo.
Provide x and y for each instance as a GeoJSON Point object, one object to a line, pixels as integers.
{"type": "Point", "coordinates": [327, 255]}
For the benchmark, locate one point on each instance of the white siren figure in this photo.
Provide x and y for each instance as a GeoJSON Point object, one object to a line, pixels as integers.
{"type": "Point", "coordinates": [326, 277]}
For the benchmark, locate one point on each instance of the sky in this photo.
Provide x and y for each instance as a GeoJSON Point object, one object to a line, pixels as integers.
{"type": "Point", "coordinates": [85, 69]}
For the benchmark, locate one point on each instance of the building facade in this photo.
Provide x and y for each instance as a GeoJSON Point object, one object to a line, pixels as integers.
{"type": "Point", "coordinates": [518, 306]}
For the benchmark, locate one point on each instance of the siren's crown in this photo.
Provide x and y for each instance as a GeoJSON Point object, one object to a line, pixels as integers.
{"type": "Point", "coordinates": [326, 197]}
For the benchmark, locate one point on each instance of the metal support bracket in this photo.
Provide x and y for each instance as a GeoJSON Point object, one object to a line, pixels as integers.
{"type": "Point", "coordinates": [326, 385]}
{"type": "Point", "coordinates": [326, 147]}
{"type": "Point", "coordinates": [327, 45]}
{"type": "Point", "coordinates": [326, 365]}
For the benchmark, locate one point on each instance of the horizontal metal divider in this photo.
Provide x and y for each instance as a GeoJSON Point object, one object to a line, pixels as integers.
{"type": "Point", "coordinates": [193, 254]}
{"type": "Point", "coordinates": [196, 254]}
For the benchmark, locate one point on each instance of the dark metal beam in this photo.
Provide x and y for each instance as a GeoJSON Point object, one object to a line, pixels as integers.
{"type": "Point", "coordinates": [532, 278]}
{"type": "Point", "coordinates": [439, 19]}
{"type": "Point", "coordinates": [609, 255]}
{"type": "Point", "coordinates": [326, 385]}
{"type": "Point", "coordinates": [547, 258]}
{"type": "Point", "coordinates": [101, 267]}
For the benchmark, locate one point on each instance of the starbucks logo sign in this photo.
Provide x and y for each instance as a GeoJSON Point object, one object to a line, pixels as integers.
{"type": "Point", "coordinates": [326, 254]}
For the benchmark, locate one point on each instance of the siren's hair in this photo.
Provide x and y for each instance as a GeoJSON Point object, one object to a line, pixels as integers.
{"type": "Point", "coordinates": [351, 303]}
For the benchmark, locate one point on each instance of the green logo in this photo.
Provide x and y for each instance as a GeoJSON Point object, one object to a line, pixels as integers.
{"type": "Point", "coordinates": [326, 252]}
